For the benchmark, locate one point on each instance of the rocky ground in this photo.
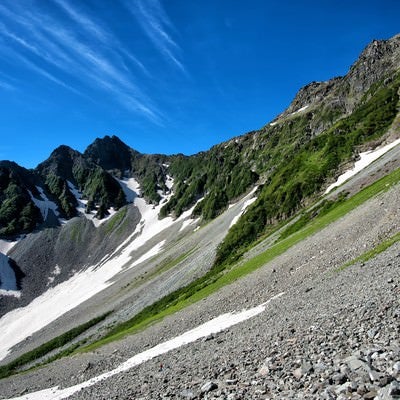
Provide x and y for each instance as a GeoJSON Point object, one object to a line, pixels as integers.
{"type": "Point", "coordinates": [332, 335]}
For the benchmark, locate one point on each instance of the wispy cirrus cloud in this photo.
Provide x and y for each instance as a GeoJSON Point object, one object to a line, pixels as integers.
{"type": "Point", "coordinates": [156, 24]}
{"type": "Point", "coordinates": [76, 55]}
{"type": "Point", "coordinates": [6, 86]}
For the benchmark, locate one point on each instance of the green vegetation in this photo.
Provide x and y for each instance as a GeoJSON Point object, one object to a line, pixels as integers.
{"type": "Point", "coordinates": [380, 248]}
{"type": "Point", "coordinates": [221, 275]}
{"type": "Point", "coordinates": [305, 217]}
{"type": "Point", "coordinates": [150, 171]}
{"type": "Point", "coordinates": [160, 269]}
{"type": "Point", "coordinates": [218, 176]}
{"type": "Point", "coordinates": [59, 341]}
{"type": "Point", "coordinates": [101, 188]}
{"type": "Point", "coordinates": [58, 187]}
{"type": "Point", "coordinates": [18, 214]}
{"type": "Point", "coordinates": [300, 175]}
{"type": "Point", "coordinates": [115, 220]}
{"type": "Point", "coordinates": [96, 185]}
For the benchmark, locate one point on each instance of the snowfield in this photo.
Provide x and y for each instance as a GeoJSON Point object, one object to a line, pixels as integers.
{"type": "Point", "coordinates": [7, 245]}
{"type": "Point", "coordinates": [81, 208]}
{"type": "Point", "coordinates": [22, 322]}
{"type": "Point", "coordinates": [45, 204]}
{"type": "Point", "coordinates": [366, 159]}
{"type": "Point", "coordinates": [213, 326]}
{"type": "Point", "coordinates": [249, 200]}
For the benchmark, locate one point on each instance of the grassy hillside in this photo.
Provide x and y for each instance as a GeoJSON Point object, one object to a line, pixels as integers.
{"type": "Point", "coordinates": [300, 174]}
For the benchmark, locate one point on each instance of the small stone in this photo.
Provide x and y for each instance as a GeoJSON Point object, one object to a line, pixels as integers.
{"type": "Point", "coordinates": [372, 333]}
{"type": "Point", "coordinates": [394, 389]}
{"type": "Point", "coordinates": [370, 395]}
{"type": "Point", "coordinates": [374, 376]}
{"type": "Point", "coordinates": [187, 394]}
{"type": "Point", "coordinates": [264, 370]}
{"type": "Point", "coordinates": [338, 379]}
{"type": "Point", "coordinates": [297, 373]}
{"type": "Point", "coordinates": [345, 388]}
{"type": "Point", "coordinates": [208, 387]}
{"type": "Point", "coordinates": [396, 369]}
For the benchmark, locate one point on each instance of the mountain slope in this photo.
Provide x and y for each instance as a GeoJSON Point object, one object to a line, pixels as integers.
{"type": "Point", "coordinates": [247, 196]}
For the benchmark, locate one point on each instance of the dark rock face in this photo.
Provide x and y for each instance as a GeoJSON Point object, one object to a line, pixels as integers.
{"type": "Point", "coordinates": [379, 59]}
{"type": "Point", "coordinates": [111, 154]}
{"type": "Point", "coordinates": [61, 163]}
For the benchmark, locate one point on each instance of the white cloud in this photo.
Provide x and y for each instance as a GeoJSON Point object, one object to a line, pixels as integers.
{"type": "Point", "coordinates": [154, 21]}
{"type": "Point", "coordinates": [82, 54]}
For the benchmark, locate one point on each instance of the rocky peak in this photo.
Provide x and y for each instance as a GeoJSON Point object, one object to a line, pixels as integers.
{"type": "Point", "coordinates": [61, 163]}
{"type": "Point", "coordinates": [110, 153]}
{"type": "Point", "coordinates": [378, 60]}
{"type": "Point", "coordinates": [11, 171]}
{"type": "Point", "coordinates": [313, 93]}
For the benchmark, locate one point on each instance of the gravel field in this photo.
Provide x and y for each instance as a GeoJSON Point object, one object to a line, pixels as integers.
{"type": "Point", "coordinates": [331, 335]}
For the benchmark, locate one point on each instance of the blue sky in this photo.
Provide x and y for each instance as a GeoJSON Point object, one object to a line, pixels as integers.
{"type": "Point", "coordinates": [167, 76]}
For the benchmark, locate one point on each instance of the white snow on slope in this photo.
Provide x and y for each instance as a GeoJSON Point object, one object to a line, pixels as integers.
{"type": "Point", "coordinates": [7, 245]}
{"type": "Point", "coordinates": [130, 187]}
{"type": "Point", "coordinates": [249, 200]}
{"type": "Point", "coordinates": [45, 204]}
{"type": "Point", "coordinates": [189, 222]}
{"type": "Point", "coordinates": [213, 326]}
{"type": "Point", "coordinates": [81, 208]}
{"type": "Point", "coordinates": [169, 182]}
{"type": "Point", "coordinates": [365, 159]}
{"type": "Point", "coordinates": [151, 253]}
{"type": "Point", "coordinates": [52, 277]}
{"type": "Point", "coordinates": [20, 323]}
{"type": "Point", "coordinates": [8, 282]}
{"type": "Point", "coordinates": [299, 110]}
{"type": "Point", "coordinates": [293, 113]}
{"type": "Point", "coordinates": [186, 217]}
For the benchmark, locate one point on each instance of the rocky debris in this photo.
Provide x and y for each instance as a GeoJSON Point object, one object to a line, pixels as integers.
{"type": "Point", "coordinates": [341, 340]}
{"type": "Point", "coordinates": [321, 350]}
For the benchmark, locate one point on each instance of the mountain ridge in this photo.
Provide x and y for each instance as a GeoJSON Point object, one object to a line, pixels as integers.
{"type": "Point", "coordinates": [194, 224]}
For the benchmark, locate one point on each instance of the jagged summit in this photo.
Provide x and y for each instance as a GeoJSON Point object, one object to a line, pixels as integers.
{"type": "Point", "coordinates": [111, 154]}
{"type": "Point", "coordinates": [61, 162]}
{"type": "Point", "coordinates": [379, 59]}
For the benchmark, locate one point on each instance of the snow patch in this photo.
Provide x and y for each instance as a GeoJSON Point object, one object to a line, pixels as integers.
{"type": "Point", "coordinates": [18, 324]}
{"type": "Point", "coordinates": [45, 204]}
{"type": "Point", "coordinates": [246, 204]}
{"type": "Point", "coordinates": [366, 159]}
{"type": "Point", "coordinates": [169, 182]}
{"type": "Point", "coordinates": [211, 327]}
{"type": "Point", "coordinates": [56, 271]}
{"type": "Point", "coordinates": [299, 110]}
{"type": "Point", "coordinates": [7, 245]}
{"type": "Point", "coordinates": [185, 215]}
{"type": "Point", "coordinates": [189, 222]}
{"type": "Point", "coordinates": [151, 253]}
{"type": "Point", "coordinates": [130, 187]}
{"type": "Point", "coordinates": [81, 208]}
{"type": "Point", "coordinates": [8, 281]}
{"type": "Point", "coordinates": [273, 123]}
